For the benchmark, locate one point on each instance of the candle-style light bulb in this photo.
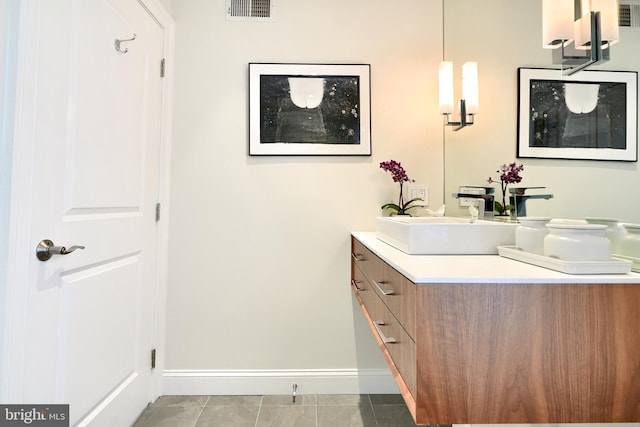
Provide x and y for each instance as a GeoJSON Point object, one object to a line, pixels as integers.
{"type": "Point", "coordinates": [470, 86]}
{"type": "Point", "coordinates": [445, 74]}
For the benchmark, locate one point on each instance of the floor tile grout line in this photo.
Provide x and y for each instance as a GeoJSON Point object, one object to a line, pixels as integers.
{"type": "Point", "coordinates": [375, 418]}
{"type": "Point", "coordinates": [204, 405]}
{"type": "Point", "coordinates": [259, 410]}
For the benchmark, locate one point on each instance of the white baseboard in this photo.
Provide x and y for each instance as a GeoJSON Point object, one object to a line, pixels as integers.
{"type": "Point", "coordinates": [270, 382]}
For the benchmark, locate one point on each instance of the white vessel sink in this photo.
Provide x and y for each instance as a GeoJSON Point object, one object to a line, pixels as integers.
{"type": "Point", "coordinates": [444, 235]}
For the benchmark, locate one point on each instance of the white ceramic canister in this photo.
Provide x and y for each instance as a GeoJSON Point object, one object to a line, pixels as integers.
{"type": "Point", "coordinates": [630, 243]}
{"type": "Point", "coordinates": [615, 231]}
{"type": "Point", "coordinates": [530, 234]}
{"type": "Point", "coordinates": [577, 242]}
{"type": "Point", "coordinates": [567, 221]}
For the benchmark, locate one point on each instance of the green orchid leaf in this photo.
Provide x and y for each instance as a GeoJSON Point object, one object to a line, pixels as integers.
{"type": "Point", "coordinates": [390, 206]}
{"type": "Point", "coordinates": [417, 199]}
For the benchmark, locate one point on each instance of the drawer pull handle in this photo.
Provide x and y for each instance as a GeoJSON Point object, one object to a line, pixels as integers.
{"type": "Point", "coordinates": [355, 284]}
{"type": "Point", "coordinates": [385, 339]}
{"type": "Point", "coordinates": [357, 257]}
{"type": "Point", "coordinates": [384, 291]}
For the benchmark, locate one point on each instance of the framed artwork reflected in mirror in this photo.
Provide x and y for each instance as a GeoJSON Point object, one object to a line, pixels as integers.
{"type": "Point", "coordinates": [591, 115]}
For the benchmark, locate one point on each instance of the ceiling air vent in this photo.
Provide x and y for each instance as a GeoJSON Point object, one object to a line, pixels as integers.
{"type": "Point", "coordinates": [250, 10]}
{"type": "Point", "coordinates": [629, 14]}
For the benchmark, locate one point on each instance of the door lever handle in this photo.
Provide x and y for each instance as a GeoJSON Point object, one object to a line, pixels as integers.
{"type": "Point", "coordinates": [46, 249]}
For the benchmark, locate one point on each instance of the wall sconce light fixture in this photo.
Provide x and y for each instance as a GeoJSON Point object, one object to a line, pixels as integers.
{"type": "Point", "coordinates": [468, 105]}
{"type": "Point", "coordinates": [579, 31]}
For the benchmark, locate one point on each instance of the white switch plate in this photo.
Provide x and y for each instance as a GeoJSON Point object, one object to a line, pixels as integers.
{"type": "Point", "coordinates": [418, 190]}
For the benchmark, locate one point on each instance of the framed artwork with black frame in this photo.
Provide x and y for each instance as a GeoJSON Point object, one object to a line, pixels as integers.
{"type": "Point", "coordinates": [309, 109]}
{"type": "Point", "coordinates": [590, 115]}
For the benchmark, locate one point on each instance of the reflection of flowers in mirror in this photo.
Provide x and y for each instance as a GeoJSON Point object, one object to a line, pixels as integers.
{"type": "Point", "coordinates": [508, 174]}
{"type": "Point", "coordinates": [399, 175]}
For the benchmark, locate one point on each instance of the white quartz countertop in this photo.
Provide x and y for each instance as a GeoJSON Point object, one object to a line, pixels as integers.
{"type": "Point", "coordinates": [477, 268]}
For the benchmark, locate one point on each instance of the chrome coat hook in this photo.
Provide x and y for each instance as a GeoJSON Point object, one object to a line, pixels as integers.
{"type": "Point", "coordinates": [117, 43]}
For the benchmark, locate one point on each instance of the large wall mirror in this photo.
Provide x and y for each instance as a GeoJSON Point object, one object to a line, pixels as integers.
{"type": "Point", "coordinates": [503, 35]}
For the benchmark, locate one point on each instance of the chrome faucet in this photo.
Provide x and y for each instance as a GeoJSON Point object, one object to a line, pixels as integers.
{"type": "Point", "coordinates": [485, 202]}
{"type": "Point", "coordinates": [519, 199]}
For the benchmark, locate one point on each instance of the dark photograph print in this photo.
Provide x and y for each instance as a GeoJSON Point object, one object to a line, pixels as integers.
{"type": "Point", "coordinates": [586, 115]}
{"type": "Point", "coordinates": [309, 109]}
{"type": "Point", "coordinates": [589, 115]}
{"type": "Point", "coordinates": [321, 109]}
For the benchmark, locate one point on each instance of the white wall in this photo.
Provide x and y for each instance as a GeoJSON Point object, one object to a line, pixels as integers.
{"type": "Point", "coordinates": [4, 177]}
{"type": "Point", "coordinates": [581, 188]}
{"type": "Point", "coordinates": [259, 262]}
{"type": "Point", "coordinates": [9, 17]}
{"type": "Point", "coordinates": [168, 4]}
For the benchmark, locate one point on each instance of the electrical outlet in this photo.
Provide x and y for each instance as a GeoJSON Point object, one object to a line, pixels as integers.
{"type": "Point", "coordinates": [418, 190]}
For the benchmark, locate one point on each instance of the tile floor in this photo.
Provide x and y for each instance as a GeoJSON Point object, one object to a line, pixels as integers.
{"type": "Point", "coordinates": [365, 410]}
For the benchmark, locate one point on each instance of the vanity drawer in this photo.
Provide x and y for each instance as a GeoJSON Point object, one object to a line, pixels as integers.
{"type": "Point", "coordinates": [395, 290]}
{"type": "Point", "coordinates": [362, 287]}
{"type": "Point", "coordinates": [397, 342]}
{"type": "Point", "coordinates": [365, 260]}
{"type": "Point", "coordinates": [399, 294]}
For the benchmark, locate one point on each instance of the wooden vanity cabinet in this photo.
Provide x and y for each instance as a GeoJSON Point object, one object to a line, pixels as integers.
{"type": "Point", "coordinates": [483, 353]}
{"type": "Point", "coordinates": [387, 300]}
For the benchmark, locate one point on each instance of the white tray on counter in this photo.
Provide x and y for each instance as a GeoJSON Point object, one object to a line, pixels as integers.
{"type": "Point", "coordinates": [635, 262]}
{"type": "Point", "coordinates": [613, 266]}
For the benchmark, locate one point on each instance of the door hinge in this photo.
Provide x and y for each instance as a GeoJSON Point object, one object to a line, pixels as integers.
{"type": "Point", "coordinates": [162, 67]}
{"type": "Point", "coordinates": [153, 358]}
{"type": "Point", "coordinates": [157, 212]}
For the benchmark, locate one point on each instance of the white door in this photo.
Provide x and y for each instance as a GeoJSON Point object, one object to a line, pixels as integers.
{"type": "Point", "coordinates": [95, 120]}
